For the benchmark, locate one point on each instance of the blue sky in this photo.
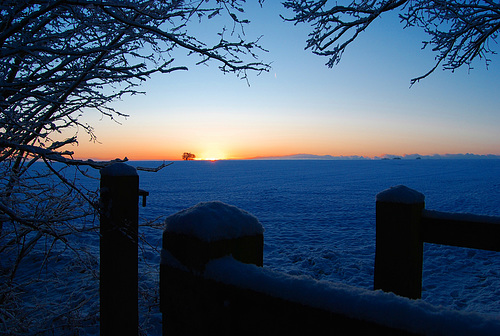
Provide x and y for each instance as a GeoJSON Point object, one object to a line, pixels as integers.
{"type": "Point", "coordinates": [363, 106]}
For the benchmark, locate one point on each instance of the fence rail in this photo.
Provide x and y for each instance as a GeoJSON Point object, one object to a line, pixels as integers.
{"type": "Point", "coordinates": [472, 231]}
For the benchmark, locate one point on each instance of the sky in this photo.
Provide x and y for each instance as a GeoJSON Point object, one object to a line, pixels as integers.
{"type": "Point", "coordinates": [364, 106]}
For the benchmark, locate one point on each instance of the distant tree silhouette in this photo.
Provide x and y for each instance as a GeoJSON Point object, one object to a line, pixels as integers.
{"type": "Point", "coordinates": [459, 31]}
{"type": "Point", "coordinates": [188, 156]}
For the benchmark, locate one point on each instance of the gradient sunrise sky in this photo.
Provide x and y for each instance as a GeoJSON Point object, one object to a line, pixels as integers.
{"type": "Point", "coordinates": [364, 106]}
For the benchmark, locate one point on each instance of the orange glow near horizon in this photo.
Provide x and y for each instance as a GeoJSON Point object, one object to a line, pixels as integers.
{"type": "Point", "coordinates": [210, 159]}
{"type": "Point", "coordinates": [137, 152]}
{"type": "Point", "coordinates": [167, 142]}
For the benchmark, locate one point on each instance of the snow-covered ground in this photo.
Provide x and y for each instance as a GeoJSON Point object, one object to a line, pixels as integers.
{"type": "Point", "coordinates": [319, 220]}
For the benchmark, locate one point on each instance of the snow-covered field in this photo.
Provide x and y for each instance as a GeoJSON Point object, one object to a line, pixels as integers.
{"type": "Point", "coordinates": [319, 220]}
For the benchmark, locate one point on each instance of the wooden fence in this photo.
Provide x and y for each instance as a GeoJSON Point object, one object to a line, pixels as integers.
{"type": "Point", "coordinates": [403, 226]}
{"type": "Point", "coordinates": [199, 297]}
{"type": "Point", "coordinates": [201, 292]}
{"type": "Point", "coordinates": [237, 296]}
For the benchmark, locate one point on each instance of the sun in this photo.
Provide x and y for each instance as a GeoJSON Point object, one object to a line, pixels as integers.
{"type": "Point", "coordinates": [213, 155]}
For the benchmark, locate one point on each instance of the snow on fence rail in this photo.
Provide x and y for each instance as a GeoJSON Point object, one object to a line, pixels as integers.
{"type": "Point", "coordinates": [403, 225]}
{"type": "Point", "coordinates": [212, 282]}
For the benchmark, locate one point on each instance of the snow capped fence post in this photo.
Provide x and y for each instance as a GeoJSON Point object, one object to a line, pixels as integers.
{"type": "Point", "coordinates": [190, 304]}
{"type": "Point", "coordinates": [118, 250]}
{"type": "Point", "coordinates": [399, 247]}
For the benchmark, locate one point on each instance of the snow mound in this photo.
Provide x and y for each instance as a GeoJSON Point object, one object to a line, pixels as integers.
{"type": "Point", "coordinates": [400, 194]}
{"type": "Point", "coordinates": [119, 169]}
{"type": "Point", "coordinates": [212, 221]}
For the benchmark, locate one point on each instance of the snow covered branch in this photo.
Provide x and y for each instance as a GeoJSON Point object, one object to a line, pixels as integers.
{"type": "Point", "coordinates": [59, 59]}
{"type": "Point", "coordinates": [460, 31]}
{"type": "Point", "coordinates": [47, 153]}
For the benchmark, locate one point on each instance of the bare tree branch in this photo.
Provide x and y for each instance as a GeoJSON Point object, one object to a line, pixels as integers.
{"type": "Point", "coordinates": [460, 30]}
{"type": "Point", "coordinates": [59, 59]}
{"type": "Point", "coordinates": [155, 169]}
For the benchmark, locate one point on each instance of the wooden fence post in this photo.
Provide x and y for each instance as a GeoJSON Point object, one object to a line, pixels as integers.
{"type": "Point", "coordinates": [118, 250]}
{"type": "Point", "coordinates": [399, 247]}
{"type": "Point", "coordinates": [190, 304]}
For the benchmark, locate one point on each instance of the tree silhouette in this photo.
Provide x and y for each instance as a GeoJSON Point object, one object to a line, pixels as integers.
{"type": "Point", "coordinates": [188, 156]}
{"type": "Point", "coordinates": [60, 59]}
{"type": "Point", "coordinates": [459, 31]}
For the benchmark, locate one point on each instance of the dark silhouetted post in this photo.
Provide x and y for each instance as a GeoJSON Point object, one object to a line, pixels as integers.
{"type": "Point", "coordinates": [118, 250]}
{"type": "Point", "coordinates": [399, 247]}
{"type": "Point", "coordinates": [190, 304]}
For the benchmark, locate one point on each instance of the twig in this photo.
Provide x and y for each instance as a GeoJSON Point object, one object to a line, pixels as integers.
{"type": "Point", "coordinates": [154, 170]}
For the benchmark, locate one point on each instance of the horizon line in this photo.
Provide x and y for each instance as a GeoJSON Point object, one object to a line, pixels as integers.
{"type": "Point", "coordinates": [326, 157]}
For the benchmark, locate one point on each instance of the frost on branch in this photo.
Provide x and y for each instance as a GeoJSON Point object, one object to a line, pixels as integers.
{"type": "Point", "coordinates": [58, 60]}
{"type": "Point", "coordinates": [459, 31]}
